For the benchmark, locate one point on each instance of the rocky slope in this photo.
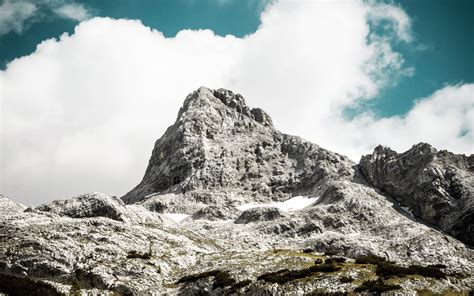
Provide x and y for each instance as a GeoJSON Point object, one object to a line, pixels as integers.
{"type": "Point", "coordinates": [437, 186]}
{"type": "Point", "coordinates": [218, 144]}
{"type": "Point", "coordinates": [229, 205]}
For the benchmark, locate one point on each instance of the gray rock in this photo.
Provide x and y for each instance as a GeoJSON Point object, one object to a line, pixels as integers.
{"type": "Point", "coordinates": [219, 144]}
{"type": "Point", "coordinates": [87, 206]}
{"type": "Point", "coordinates": [215, 213]}
{"type": "Point", "coordinates": [437, 186]}
{"type": "Point", "coordinates": [9, 207]}
{"type": "Point", "coordinates": [259, 215]}
{"type": "Point", "coordinates": [219, 155]}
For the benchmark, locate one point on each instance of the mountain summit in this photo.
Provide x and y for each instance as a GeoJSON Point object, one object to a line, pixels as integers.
{"type": "Point", "coordinates": [229, 205]}
{"type": "Point", "coordinates": [220, 144]}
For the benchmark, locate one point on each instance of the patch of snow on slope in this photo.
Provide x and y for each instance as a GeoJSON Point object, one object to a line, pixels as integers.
{"type": "Point", "coordinates": [175, 217]}
{"type": "Point", "coordinates": [293, 204]}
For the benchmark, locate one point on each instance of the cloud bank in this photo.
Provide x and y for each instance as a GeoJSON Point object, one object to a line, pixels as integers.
{"type": "Point", "coordinates": [81, 113]}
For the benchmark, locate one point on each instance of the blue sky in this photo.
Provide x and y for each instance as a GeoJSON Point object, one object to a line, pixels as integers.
{"type": "Point", "coordinates": [443, 51]}
{"type": "Point", "coordinates": [86, 89]}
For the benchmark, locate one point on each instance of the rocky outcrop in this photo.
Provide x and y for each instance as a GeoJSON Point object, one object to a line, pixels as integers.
{"type": "Point", "coordinates": [259, 215]}
{"type": "Point", "coordinates": [436, 186]}
{"type": "Point", "coordinates": [218, 144]}
{"type": "Point", "coordinates": [87, 206]}
{"type": "Point", "coordinates": [214, 213]}
{"type": "Point", "coordinates": [8, 207]}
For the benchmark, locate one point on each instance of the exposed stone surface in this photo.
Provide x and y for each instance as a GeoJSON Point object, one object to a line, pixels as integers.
{"type": "Point", "coordinates": [217, 157]}
{"type": "Point", "coordinates": [8, 207]}
{"type": "Point", "coordinates": [215, 213]}
{"type": "Point", "coordinates": [98, 205]}
{"type": "Point", "coordinates": [259, 215]}
{"type": "Point", "coordinates": [87, 206]}
{"type": "Point", "coordinates": [218, 143]}
{"type": "Point", "coordinates": [437, 186]}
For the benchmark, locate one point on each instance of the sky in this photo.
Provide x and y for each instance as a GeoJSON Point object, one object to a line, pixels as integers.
{"type": "Point", "coordinates": [86, 87]}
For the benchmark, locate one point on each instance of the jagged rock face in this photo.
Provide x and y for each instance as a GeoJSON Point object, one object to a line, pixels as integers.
{"type": "Point", "coordinates": [437, 186]}
{"type": "Point", "coordinates": [218, 143]}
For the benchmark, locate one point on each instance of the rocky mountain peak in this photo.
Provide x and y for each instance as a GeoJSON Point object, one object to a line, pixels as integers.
{"type": "Point", "coordinates": [218, 142]}
{"type": "Point", "coordinates": [221, 102]}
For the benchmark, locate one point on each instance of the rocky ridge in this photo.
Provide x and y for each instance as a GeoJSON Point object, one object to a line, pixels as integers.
{"type": "Point", "coordinates": [437, 186]}
{"type": "Point", "coordinates": [218, 157]}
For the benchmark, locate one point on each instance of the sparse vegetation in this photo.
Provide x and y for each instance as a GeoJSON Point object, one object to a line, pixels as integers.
{"type": "Point", "coordinates": [12, 285]}
{"type": "Point", "coordinates": [323, 292]}
{"type": "Point", "coordinates": [446, 292]}
{"type": "Point", "coordinates": [285, 275]}
{"type": "Point", "coordinates": [221, 278]}
{"type": "Point", "coordinates": [389, 269]}
{"type": "Point", "coordinates": [439, 266]}
{"type": "Point", "coordinates": [75, 288]}
{"type": "Point", "coordinates": [335, 260]}
{"type": "Point", "coordinates": [134, 254]}
{"type": "Point", "coordinates": [370, 259]}
{"type": "Point", "coordinates": [376, 286]}
{"type": "Point", "coordinates": [346, 279]}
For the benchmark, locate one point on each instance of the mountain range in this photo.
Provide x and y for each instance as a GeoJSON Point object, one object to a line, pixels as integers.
{"type": "Point", "coordinates": [229, 205]}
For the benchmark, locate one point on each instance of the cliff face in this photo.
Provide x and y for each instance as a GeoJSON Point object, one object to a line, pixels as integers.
{"type": "Point", "coordinates": [437, 186]}
{"type": "Point", "coordinates": [231, 206]}
{"type": "Point", "coordinates": [219, 144]}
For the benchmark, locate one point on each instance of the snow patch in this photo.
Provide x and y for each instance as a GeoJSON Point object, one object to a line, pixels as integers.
{"type": "Point", "coordinates": [175, 217]}
{"type": "Point", "coordinates": [293, 204]}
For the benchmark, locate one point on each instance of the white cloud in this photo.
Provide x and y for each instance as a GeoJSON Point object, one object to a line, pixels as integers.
{"type": "Point", "coordinates": [72, 11]}
{"type": "Point", "coordinates": [96, 101]}
{"type": "Point", "coordinates": [16, 16]}
{"type": "Point", "coordinates": [13, 16]}
{"type": "Point", "coordinates": [445, 120]}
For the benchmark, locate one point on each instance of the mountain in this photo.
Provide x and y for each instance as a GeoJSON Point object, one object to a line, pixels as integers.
{"type": "Point", "coordinates": [219, 145]}
{"type": "Point", "coordinates": [229, 205]}
{"type": "Point", "coordinates": [437, 186]}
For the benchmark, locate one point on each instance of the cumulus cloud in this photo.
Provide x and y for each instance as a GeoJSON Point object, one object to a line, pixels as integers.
{"type": "Point", "coordinates": [73, 11]}
{"type": "Point", "coordinates": [13, 16]}
{"type": "Point", "coordinates": [444, 119]}
{"type": "Point", "coordinates": [16, 16]}
{"type": "Point", "coordinates": [82, 113]}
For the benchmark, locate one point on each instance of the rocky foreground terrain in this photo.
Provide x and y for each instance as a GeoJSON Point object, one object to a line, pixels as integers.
{"type": "Point", "coordinates": [231, 206]}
